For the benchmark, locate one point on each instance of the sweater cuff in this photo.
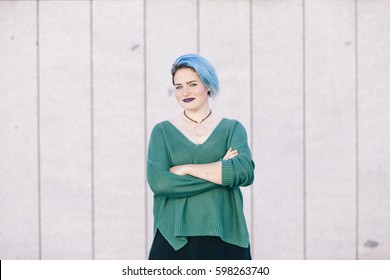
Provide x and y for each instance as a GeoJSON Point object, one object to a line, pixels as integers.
{"type": "Point", "coordinates": [227, 173]}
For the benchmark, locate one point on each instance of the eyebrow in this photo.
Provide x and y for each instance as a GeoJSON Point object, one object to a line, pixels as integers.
{"type": "Point", "coordinates": [188, 82]}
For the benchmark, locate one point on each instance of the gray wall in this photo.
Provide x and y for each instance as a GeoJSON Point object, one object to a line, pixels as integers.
{"type": "Point", "coordinates": [83, 82]}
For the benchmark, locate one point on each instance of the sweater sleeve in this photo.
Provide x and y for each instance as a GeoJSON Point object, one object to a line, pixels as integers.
{"type": "Point", "coordinates": [238, 171]}
{"type": "Point", "coordinates": [167, 184]}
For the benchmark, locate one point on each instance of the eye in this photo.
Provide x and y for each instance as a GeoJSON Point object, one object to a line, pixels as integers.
{"type": "Point", "coordinates": [178, 87]}
{"type": "Point", "coordinates": [193, 85]}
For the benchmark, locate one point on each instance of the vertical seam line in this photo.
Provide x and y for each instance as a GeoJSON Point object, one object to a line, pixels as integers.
{"type": "Point", "coordinates": [197, 27]}
{"type": "Point", "coordinates": [39, 137]}
{"type": "Point", "coordinates": [304, 125]}
{"type": "Point", "coordinates": [357, 128]}
{"type": "Point", "coordinates": [145, 131]}
{"type": "Point", "coordinates": [92, 132]}
{"type": "Point", "coordinates": [251, 111]}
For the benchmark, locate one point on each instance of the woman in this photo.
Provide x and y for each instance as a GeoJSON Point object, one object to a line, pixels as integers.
{"type": "Point", "coordinates": [196, 163]}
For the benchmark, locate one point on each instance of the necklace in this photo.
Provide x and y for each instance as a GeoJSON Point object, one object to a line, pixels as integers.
{"type": "Point", "coordinates": [199, 129]}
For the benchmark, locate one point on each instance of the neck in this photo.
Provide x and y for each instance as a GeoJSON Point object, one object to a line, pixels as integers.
{"type": "Point", "coordinates": [198, 115]}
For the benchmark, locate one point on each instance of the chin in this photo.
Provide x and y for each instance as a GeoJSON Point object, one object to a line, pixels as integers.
{"type": "Point", "coordinates": [188, 106]}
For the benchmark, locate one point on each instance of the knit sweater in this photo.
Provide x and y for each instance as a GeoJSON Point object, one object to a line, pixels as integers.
{"type": "Point", "coordinates": [189, 206]}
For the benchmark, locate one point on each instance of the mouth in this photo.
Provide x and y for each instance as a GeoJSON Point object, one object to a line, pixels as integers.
{"type": "Point", "coordinates": [187, 100]}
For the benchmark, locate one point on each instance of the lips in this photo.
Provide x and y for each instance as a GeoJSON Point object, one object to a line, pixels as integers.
{"type": "Point", "coordinates": [187, 100]}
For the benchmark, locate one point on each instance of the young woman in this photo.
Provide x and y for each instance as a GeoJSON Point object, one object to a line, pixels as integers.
{"type": "Point", "coordinates": [196, 163]}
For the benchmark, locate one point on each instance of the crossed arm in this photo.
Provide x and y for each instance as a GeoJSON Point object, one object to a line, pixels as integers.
{"type": "Point", "coordinates": [236, 169]}
{"type": "Point", "coordinates": [211, 172]}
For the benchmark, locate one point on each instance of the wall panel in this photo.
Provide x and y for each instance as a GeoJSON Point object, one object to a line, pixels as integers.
{"type": "Point", "coordinates": [374, 132]}
{"type": "Point", "coordinates": [19, 204]}
{"type": "Point", "coordinates": [330, 129]}
{"type": "Point", "coordinates": [225, 41]}
{"type": "Point", "coordinates": [65, 129]}
{"type": "Point", "coordinates": [278, 130]}
{"type": "Point", "coordinates": [171, 31]}
{"type": "Point", "coordinates": [119, 166]}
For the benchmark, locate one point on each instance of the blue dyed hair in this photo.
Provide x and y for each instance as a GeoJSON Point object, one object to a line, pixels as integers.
{"type": "Point", "coordinates": [202, 67]}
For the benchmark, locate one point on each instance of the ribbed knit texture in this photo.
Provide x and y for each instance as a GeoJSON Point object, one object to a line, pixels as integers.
{"type": "Point", "coordinates": [189, 206]}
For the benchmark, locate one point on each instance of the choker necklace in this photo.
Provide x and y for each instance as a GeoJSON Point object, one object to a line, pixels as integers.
{"type": "Point", "coordinates": [199, 129]}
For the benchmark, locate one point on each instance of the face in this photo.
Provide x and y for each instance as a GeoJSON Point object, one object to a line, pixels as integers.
{"type": "Point", "coordinates": [190, 92]}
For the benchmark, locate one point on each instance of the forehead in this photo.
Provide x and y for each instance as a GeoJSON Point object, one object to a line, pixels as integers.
{"type": "Point", "coordinates": [185, 75]}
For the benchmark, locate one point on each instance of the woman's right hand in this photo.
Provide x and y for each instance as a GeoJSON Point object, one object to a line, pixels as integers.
{"type": "Point", "coordinates": [230, 154]}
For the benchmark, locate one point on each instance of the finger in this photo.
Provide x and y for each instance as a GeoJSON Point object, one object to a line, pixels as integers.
{"type": "Point", "coordinates": [227, 153]}
{"type": "Point", "coordinates": [231, 155]}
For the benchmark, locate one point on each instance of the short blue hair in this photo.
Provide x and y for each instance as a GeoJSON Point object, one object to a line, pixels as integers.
{"type": "Point", "coordinates": [202, 67]}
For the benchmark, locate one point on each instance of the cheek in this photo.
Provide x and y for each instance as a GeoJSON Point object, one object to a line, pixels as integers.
{"type": "Point", "coordinates": [201, 91]}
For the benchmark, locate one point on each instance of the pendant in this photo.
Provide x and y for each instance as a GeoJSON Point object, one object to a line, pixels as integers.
{"type": "Point", "coordinates": [200, 130]}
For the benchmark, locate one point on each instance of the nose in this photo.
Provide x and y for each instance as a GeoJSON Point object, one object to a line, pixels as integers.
{"type": "Point", "coordinates": [186, 91]}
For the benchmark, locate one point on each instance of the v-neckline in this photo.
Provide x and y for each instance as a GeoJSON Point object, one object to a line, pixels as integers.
{"type": "Point", "coordinates": [192, 142]}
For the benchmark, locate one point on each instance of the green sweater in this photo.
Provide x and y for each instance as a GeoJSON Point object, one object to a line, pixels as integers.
{"type": "Point", "coordinates": [189, 206]}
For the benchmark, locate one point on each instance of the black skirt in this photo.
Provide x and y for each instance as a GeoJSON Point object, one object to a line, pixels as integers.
{"type": "Point", "coordinates": [198, 248]}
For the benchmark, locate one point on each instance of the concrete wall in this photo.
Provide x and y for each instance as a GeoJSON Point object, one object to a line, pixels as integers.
{"type": "Point", "coordinates": [83, 82]}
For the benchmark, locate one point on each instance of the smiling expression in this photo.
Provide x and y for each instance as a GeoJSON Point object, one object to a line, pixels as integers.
{"type": "Point", "coordinates": [190, 92]}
